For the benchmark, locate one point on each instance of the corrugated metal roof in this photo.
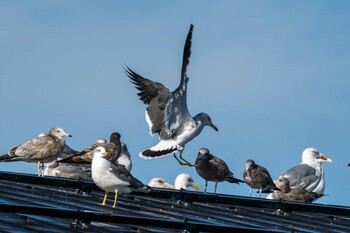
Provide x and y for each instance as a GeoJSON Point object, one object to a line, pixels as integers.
{"type": "Point", "coordinates": [34, 204]}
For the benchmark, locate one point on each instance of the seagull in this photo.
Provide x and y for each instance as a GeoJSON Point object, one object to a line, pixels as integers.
{"type": "Point", "coordinates": [42, 149]}
{"type": "Point", "coordinates": [160, 183]}
{"type": "Point", "coordinates": [309, 174]}
{"type": "Point", "coordinates": [75, 171]}
{"type": "Point", "coordinates": [113, 177]}
{"type": "Point", "coordinates": [182, 181]}
{"type": "Point", "coordinates": [212, 168]}
{"type": "Point", "coordinates": [297, 194]}
{"type": "Point", "coordinates": [167, 113]}
{"type": "Point", "coordinates": [124, 157]}
{"type": "Point", "coordinates": [112, 147]}
{"type": "Point", "coordinates": [257, 177]}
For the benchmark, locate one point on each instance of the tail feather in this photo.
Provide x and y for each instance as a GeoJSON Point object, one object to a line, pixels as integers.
{"type": "Point", "coordinates": [7, 158]}
{"type": "Point", "coordinates": [163, 148]}
{"type": "Point", "coordinates": [11, 155]}
{"type": "Point", "coordinates": [234, 180]}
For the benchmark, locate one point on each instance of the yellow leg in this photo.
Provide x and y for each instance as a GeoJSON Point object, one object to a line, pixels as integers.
{"type": "Point", "coordinates": [104, 199]}
{"type": "Point", "coordinates": [183, 161]}
{"type": "Point", "coordinates": [115, 199]}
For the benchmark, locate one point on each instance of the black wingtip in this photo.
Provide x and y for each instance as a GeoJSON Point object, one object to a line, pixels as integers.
{"type": "Point", "coordinates": [186, 53]}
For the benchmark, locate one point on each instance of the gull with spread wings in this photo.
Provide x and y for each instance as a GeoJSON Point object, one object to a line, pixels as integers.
{"type": "Point", "coordinates": [167, 113]}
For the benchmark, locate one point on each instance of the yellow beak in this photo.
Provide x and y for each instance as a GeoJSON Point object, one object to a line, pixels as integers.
{"type": "Point", "coordinates": [328, 160]}
{"type": "Point", "coordinates": [195, 187]}
{"type": "Point", "coordinates": [105, 153]}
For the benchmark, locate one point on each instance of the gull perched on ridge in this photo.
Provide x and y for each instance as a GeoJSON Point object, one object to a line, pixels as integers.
{"type": "Point", "coordinates": [182, 181]}
{"type": "Point", "coordinates": [112, 147]}
{"type": "Point", "coordinates": [167, 113]}
{"type": "Point", "coordinates": [113, 177]}
{"type": "Point", "coordinates": [257, 177]}
{"type": "Point", "coordinates": [42, 149]}
{"type": "Point", "coordinates": [309, 174]}
{"type": "Point", "coordinates": [296, 194]}
{"type": "Point", "coordinates": [212, 168]}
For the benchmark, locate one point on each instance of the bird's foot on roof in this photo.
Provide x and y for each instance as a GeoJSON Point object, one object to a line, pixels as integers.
{"type": "Point", "coordinates": [183, 161]}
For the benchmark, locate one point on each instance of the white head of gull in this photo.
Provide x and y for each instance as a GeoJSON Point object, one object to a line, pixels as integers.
{"type": "Point", "coordinates": [167, 113]}
{"type": "Point", "coordinates": [183, 181]}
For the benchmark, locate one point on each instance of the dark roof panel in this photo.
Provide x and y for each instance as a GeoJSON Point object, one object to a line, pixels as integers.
{"type": "Point", "coordinates": [34, 204]}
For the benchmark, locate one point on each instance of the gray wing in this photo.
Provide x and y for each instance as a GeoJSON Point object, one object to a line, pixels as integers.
{"type": "Point", "coordinates": [123, 174]}
{"type": "Point", "coordinates": [176, 110]}
{"type": "Point", "coordinates": [39, 148]}
{"type": "Point", "coordinates": [301, 176]}
{"type": "Point", "coordinates": [73, 171]}
{"type": "Point", "coordinates": [153, 94]}
{"type": "Point", "coordinates": [82, 157]}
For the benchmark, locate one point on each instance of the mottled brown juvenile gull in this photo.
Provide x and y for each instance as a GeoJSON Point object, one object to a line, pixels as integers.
{"type": "Point", "coordinates": [112, 147]}
{"type": "Point", "coordinates": [257, 177]}
{"type": "Point", "coordinates": [182, 181]}
{"type": "Point", "coordinates": [42, 149]}
{"type": "Point", "coordinates": [75, 171]}
{"type": "Point", "coordinates": [297, 194]}
{"type": "Point", "coordinates": [167, 113]}
{"type": "Point", "coordinates": [113, 177]}
{"type": "Point", "coordinates": [212, 168]}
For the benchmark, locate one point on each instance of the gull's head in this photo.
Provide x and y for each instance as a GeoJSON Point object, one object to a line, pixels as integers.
{"type": "Point", "coordinates": [59, 133]}
{"type": "Point", "coordinates": [313, 155]}
{"type": "Point", "coordinates": [100, 152]}
{"type": "Point", "coordinates": [183, 181]}
{"type": "Point", "coordinates": [204, 154]}
{"type": "Point", "coordinates": [115, 137]}
{"type": "Point", "coordinates": [206, 120]}
{"type": "Point", "coordinates": [101, 141]}
{"type": "Point", "coordinates": [159, 183]}
{"type": "Point", "coordinates": [282, 183]}
{"type": "Point", "coordinates": [249, 163]}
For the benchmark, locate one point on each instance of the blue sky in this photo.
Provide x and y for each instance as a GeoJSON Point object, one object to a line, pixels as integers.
{"type": "Point", "coordinates": [273, 75]}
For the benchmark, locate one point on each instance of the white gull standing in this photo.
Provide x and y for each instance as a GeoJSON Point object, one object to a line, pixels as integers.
{"type": "Point", "coordinates": [167, 113]}
{"type": "Point", "coordinates": [113, 177]}
{"type": "Point", "coordinates": [309, 174]}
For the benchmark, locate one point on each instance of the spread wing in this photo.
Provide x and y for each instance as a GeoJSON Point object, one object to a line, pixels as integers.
{"type": "Point", "coordinates": [153, 94]}
{"type": "Point", "coordinates": [176, 110]}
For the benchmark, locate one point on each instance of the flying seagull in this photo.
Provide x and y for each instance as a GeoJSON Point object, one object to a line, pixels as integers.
{"type": "Point", "coordinates": [113, 177]}
{"type": "Point", "coordinates": [257, 177]}
{"type": "Point", "coordinates": [167, 113]}
{"type": "Point", "coordinates": [296, 194]}
{"type": "Point", "coordinates": [212, 168]}
{"type": "Point", "coordinates": [42, 149]}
